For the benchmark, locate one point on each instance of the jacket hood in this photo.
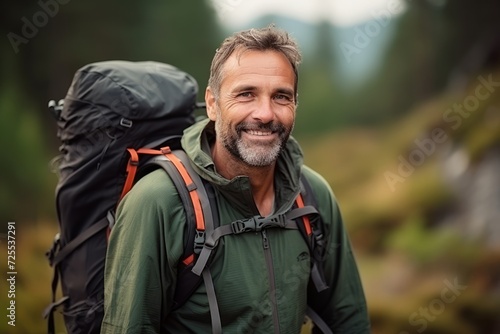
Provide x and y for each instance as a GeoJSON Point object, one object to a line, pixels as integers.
{"type": "Point", "coordinates": [196, 142]}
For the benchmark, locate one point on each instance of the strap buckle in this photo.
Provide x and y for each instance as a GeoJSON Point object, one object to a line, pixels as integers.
{"type": "Point", "coordinates": [247, 225]}
{"type": "Point", "coordinates": [257, 223]}
{"type": "Point", "coordinates": [276, 221]}
{"type": "Point", "coordinates": [199, 241]}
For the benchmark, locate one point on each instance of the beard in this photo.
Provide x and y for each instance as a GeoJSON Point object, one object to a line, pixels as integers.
{"type": "Point", "coordinates": [253, 153]}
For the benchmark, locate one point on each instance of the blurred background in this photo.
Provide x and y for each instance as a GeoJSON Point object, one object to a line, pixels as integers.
{"type": "Point", "coordinates": [399, 110]}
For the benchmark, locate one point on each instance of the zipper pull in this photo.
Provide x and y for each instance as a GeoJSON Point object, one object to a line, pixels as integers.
{"type": "Point", "coordinates": [265, 241]}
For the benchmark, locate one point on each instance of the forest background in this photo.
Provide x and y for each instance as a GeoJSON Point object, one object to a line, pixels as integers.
{"type": "Point", "coordinates": [400, 112]}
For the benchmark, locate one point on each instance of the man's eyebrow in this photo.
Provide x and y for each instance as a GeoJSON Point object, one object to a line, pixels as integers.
{"type": "Point", "coordinates": [243, 88]}
{"type": "Point", "coordinates": [285, 91]}
{"type": "Point", "coordinates": [251, 88]}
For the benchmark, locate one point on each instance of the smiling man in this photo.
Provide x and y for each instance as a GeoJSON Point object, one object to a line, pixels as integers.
{"type": "Point", "coordinates": [253, 109]}
{"type": "Point", "coordinates": [261, 279]}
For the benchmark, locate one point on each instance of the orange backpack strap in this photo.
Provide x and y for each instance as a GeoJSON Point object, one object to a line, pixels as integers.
{"type": "Point", "coordinates": [190, 185]}
{"type": "Point", "coordinates": [307, 223]}
{"type": "Point", "coordinates": [182, 167]}
{"type": "Point", "coordinates": [201, 213]}
{"type": "Point", "coordinates": [313, 232]}
{"type": "Point", "coordinates": [132, 165]}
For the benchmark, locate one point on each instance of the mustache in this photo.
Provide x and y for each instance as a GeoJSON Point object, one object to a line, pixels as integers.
{"type": "Point", "coordinates": [259, 126]}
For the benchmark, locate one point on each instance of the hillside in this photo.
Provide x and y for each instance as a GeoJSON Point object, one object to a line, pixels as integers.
{"type": "Point", "coordinates": [420, 197]}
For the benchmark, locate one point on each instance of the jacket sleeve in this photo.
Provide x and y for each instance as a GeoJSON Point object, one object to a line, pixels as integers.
{"type": "Point", "coordinates": [142, 256]}
{"type": "Point", "coordinates": [343, 305]}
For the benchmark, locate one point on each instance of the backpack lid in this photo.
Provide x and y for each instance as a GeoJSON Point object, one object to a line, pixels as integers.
{"type": "Point", "coordinates": [104, 93]}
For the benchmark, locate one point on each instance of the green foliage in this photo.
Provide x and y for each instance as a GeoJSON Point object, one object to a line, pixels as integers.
{"type": "Point", "coordinates": [24, 175]}
{"type": "Point", "coordinates": [42, 69]}
{"type": "Point", "coordinates": [353, 137]}
{"type": "Point", "coordinates": [427, 246]}
{"type": "Point", "coordinates": [412, 236]}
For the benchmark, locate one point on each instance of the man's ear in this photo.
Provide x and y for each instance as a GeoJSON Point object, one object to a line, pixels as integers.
{"type": "Point", "coordinates": [211, 104]}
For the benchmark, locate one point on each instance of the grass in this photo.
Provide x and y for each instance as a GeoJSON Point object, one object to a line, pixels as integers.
{"type": "Point", "coordinates": [32, 284]}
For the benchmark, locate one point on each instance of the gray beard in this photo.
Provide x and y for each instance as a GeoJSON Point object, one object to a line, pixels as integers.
{"type": "Point", "coordinates": [256, 156]}
{"type": "Point", "coordinates": [252, 154]}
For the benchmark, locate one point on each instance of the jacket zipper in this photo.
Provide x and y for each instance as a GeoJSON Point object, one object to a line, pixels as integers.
{"type": "Point", "coordinates": [271, 277]}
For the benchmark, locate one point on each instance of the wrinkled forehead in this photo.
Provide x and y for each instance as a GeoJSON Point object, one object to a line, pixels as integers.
{"type": "Point", "coordinates": [270, 62]}
{"type": "Point", "coordinates": [240, 52]}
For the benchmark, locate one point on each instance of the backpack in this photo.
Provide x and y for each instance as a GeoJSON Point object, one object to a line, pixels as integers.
{"type": "Point", "coordinates": [119, 121]}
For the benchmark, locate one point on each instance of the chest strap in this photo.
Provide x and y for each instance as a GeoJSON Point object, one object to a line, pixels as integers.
{"type": "Point", "coordinates": [254, 224]}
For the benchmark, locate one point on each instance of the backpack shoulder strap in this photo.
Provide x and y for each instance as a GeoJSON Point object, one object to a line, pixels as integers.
{"type": "Point", "coordinates": [313, 233]}
{"type": "Point", "coordinates": [198, 199]}
{"type": "Point", "coordinates": [199, 202]}
{"type": "Point", "coordinates": [312, 229]}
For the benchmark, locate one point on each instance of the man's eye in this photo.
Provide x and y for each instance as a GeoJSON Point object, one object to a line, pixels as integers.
{"type": "Point", "coordinates": [245, 94]}
{"type": "Point", "coordinates": [283, 98]}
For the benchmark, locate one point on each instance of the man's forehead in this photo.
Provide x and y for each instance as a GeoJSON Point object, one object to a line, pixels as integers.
{"type": "Point", "coordinates": [241, 56]}
{"type": "Point", "coordinates": [248, 61]}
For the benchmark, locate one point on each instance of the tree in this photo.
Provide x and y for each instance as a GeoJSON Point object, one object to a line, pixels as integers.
{"type": "Point", "coordinates": [48, 40]}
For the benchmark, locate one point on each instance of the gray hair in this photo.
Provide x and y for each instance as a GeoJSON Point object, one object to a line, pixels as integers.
{"type": "Point", "coordinates": [264, 39]}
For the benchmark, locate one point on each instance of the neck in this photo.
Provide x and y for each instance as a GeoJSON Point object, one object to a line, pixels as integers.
{"type": "Point", "coordinates": [261, 178]}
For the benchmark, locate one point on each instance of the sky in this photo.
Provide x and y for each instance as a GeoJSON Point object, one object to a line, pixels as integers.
{"type": "Point", "coordinates": [352, 15]}
{"type": "Point", "coordinates": [232, 13]}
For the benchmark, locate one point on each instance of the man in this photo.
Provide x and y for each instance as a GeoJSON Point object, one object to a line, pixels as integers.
{"type": "Point", "coordinates": [245, 151]}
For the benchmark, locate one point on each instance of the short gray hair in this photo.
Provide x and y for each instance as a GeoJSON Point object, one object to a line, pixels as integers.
{"type": "Point", "coordinates": [264, 39]}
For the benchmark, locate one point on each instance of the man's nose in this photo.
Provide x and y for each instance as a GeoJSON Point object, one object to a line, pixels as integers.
{"type": "Point", "coordinates": [264, 111]}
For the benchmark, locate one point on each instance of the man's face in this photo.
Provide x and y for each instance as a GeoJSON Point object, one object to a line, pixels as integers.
{"type": "Point", "coordinates": [255, 112]}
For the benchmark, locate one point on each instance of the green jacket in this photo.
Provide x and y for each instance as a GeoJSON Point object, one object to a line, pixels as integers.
{"type": "Point", "coordinates": [254, 296]}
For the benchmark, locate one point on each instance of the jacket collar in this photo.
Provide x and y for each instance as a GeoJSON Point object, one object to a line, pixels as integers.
{"type": "Point", "coordinates": [196, 142]}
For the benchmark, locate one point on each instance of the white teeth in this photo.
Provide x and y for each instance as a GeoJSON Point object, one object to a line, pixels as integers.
{"type": "Point", "coordinates": [259, 133]}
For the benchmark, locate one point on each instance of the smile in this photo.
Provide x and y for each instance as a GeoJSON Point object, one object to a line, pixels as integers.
{"type": "Point", "coordinates": [259, 133]}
